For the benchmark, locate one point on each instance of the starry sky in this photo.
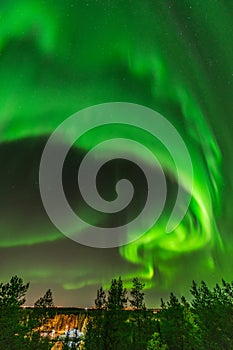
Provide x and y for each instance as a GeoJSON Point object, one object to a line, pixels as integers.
{"type": "Point", "coordinates": [175, 57]}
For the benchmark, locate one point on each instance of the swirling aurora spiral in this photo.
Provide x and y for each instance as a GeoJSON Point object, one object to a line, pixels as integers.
{"type": "Point", "coordinates": [166, 68]}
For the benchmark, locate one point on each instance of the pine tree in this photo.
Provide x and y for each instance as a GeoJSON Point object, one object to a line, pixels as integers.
{"type": "Point", "coordinates": [12, 296]}
{"type": "Point", "coordinates": [46, 301]}
{"type": "Point", "coordinates": [116, 333]}
{"type": "Point", "coordinates": [177, 327]}
{"type": "Point", "coordinates": [137, 301]}
{"type": "Point", "coordinates": [213, 313]}
{"type": "Point", "coordinates": [108, 328]}
{"type": "Point", "coordinates": [43, 310]}
{"type": "Point", "coordinates": [143, 322]}
{"type": "Point", "coordinates": [117, 295]}
{"type": "Point", "coordinates": [100, 301]}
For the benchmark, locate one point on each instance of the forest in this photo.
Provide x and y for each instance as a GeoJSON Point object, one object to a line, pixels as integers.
{"type": "Point", "coordinates": [121, 320]}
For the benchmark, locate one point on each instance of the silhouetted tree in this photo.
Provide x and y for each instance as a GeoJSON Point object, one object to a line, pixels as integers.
{"type": "Point", "coordinates": [213, 312]}
{"type": "Point", "coordinates": [17, 325]}
{"type": "Point", "coordinates": [137, 301]}
{"type": "Point", "coordinates": [100, 301]}
{"type": "Point", "coordinates": [177, 327]}
{"type": "Point", "coordinates": [108, 328]}
{"type": "Point", "coordinates": [140, 320]}
{"type": "Point", "coordinates": [12, 296]}
{"type": "Point", "coordinates": [45, 301]}
{"type": "Point", "coordinates": [117, 295]}
{"type": "Point", "coordinates": [13, 293]}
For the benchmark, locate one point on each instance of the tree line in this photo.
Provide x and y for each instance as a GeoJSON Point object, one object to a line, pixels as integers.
{"type": "Point", "coordinates": [114, 327]}
{"type": "Point", "coordinates": [20, 328]}
{"type": "Point", "coordinates": [203, 323]}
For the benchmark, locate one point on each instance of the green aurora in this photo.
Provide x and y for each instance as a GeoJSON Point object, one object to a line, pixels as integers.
{"type": "Point", "coordinates": [174, 57]}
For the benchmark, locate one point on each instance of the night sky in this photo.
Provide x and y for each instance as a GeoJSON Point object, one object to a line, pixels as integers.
{"type": "Point", "coordinates": [175, 57]}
